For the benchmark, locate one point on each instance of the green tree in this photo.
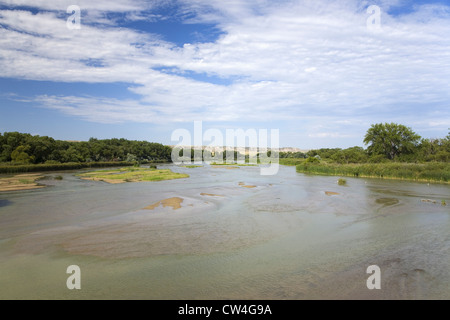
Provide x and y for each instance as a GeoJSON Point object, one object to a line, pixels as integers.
{"type": "Point", "coordinates": [40, 147]}
{"type": "Point", "coordinates": [391, 140]}
{"type": "Point", "coordinates": [70, 155]}
{"type": "Point", "coordinates": [350, 155]}
{"type": "Point", "coordinates": [131, 158]}
{"type": "Point", "coordinates": [20, 155]}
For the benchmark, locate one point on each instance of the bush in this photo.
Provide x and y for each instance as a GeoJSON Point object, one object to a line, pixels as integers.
{"type": "Point", "coordinates": [52, 162]}
{"type": "Point", "coordinates": [312, 160]}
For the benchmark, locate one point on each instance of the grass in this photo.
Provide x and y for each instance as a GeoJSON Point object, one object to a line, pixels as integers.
{"type": "Point", "coordinates": [20, 182]}
{"type": "Point", "coordinates": [10, 169]}
{"type": "Point", "coordinates": [58, 178]}
{"type": "Point", "coordinates": [291, 161]}
{"type": "Point", "coordinates": [132, 175]}
{"type": "Point", "coordinates": [191, 166]}
{"type": "Point", "coordinates": [431, 172]}
{"type": "Point", "coordinates": [342, 182]}
{"type": "Point", "coordinates": [26, 181]}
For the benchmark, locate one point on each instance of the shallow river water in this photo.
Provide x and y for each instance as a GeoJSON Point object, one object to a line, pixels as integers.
{"type": "Point", "coordinates": [291, 236]}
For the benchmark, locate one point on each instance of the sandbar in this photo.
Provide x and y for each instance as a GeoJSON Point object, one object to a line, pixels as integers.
{"type": "Point", "coordinates": [242, 184]}
{"type": "Point", "coordinates": [131, 175]}
{"type": "Point", "coordinates": [210, 194]}
{"type": "Point", "coordinates": [174, 202]}
{"type": "Point", "coordinates": [20, 182]}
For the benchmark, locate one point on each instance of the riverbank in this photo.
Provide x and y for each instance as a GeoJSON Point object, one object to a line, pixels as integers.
{"type": "Point", "coordinates": [291, 161]}
{"type": "Point", "coordinates": [11, 169]}
{"type": "Point", "coordinates": [426, 172]}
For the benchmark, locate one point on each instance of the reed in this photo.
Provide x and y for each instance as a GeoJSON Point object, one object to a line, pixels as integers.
{"type": "Point", "coordinates": [9, 169]}
{"type": "Point", "coordinates": [432, 171]}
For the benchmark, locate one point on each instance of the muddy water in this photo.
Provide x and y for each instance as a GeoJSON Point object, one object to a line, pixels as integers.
{"type": "Point", "coordinates": [289, 236]}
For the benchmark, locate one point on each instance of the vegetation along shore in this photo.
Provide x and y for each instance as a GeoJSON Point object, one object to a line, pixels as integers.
{"type": "Point", "coordinates": [393, 151]}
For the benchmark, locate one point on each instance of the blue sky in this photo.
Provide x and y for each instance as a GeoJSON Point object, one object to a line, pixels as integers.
{"type": "Point", "coordinates": [141, 69]}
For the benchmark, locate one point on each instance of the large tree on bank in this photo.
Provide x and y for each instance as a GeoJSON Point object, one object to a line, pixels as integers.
{"type": "Point", "coordinates": [390, 139]}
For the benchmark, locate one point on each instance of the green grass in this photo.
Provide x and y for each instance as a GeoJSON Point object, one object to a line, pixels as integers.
{"type": "Point", "coordinates": [26, 181]}
{"type": "Point", "coordinates": [433, 171]}
{"type": "Point", "coordinates": [6, 168]}
{"type": "Point", "coordinates": [291, 161]}
{"type": "Point", "coordinates": [133, 175]}
{"type": "Point", "coordinates": [191, 166]}
{"type": "Point", "coordinates": [342, 182]}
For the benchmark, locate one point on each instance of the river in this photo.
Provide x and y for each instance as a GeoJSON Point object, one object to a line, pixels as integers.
{"type": "Point", "coordinates": [237, 235]}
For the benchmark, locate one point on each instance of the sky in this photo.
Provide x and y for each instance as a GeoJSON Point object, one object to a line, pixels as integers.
{"type": "Point", "coordinates": [316, 70]}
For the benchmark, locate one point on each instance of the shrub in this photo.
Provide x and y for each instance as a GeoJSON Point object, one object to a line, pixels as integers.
{"type": "Point", "coordinates": [312, 160]}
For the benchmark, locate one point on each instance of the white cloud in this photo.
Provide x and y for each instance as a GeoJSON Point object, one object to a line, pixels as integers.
{"type": "Point", "coordinates": [289, 60]}
{"type": "Point", "coordinates": [98, 5]}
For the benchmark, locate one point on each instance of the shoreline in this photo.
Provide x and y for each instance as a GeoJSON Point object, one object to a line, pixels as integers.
{"type": "Point", "coordinates": [20, 182]}
{"type": "Point", "coordinates": [39, 168]}
{"type": "Point", "coordinates": [357, 174]}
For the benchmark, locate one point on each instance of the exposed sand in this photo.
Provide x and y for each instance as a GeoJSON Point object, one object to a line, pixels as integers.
{"type": "Point", "coordinates": [112, 181]}
{"type": "Point", "coordinates": [242, 184]}
{"type": "Point", "coordinates": [443, 203]}
{"type": "Point", "coordinates": [210, 195]}
{"type": "Point", "coordinates": [20, 182]}
{"type": "Point", "coordinates": [174, 202]}
{"type": "Point", "coordinates": [225, 167]}
{"type": "Point", "coordinates": [331, 193]}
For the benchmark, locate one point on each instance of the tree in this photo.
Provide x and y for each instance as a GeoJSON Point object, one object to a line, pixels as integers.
{"type": "Point", "coordinates": [350, 155]}
{"type": "Point", "coordinates": [70, 155]}
{"type": "Point", "coordinates": [20, 155]}
{"type": "Point", "coordinates": [40, 147]}
{"type": "Point", "coordinates": [391, 140]}
{"type": "Point", "coordinates": [131, 158]}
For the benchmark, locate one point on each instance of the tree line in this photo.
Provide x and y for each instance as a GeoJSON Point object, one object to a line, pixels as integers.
{"type": "Point", "coordinates": [24, 148]}
{"type": "Point", "coordinates": [385, 142]}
